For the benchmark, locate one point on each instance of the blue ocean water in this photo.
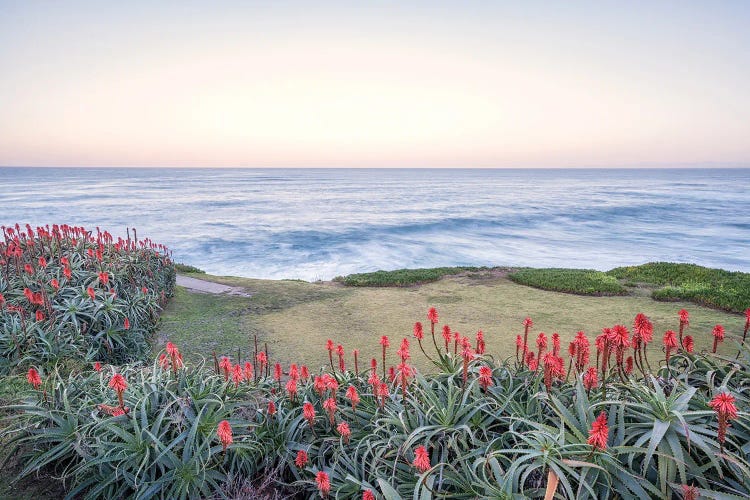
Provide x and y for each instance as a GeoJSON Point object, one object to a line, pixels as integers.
{"type": "Point", "coordinates": [319, 223]}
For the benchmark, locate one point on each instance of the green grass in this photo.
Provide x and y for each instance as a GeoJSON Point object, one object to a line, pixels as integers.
{"type": "Point", "coordinates": [715, 288]}
{"type": "Point", "coordinates": [296, 318]}
{"type": "Point", "coordinates": [402, 277]}
{"type": "Point", "coordinates": [578, 281]}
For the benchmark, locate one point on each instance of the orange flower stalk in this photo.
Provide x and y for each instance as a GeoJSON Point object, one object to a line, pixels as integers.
{"type": "Point", "coordinates": [308, 412]}
{"type": "Point", "coordinates": [224, 431]}
{"type": "Point", "coordinates": [118, 383]}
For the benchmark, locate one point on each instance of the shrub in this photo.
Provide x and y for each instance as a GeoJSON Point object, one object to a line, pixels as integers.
{"type": "Point", "coordinates": [185, 268]}
{"type": "Point", "coordinates": [716, 288]}
{"type": "Point", "coordinates": [69, 295]}
{"type": "Point", "coordinates": [579, 281]}
{"type": "Point", "coordinates": [401, 277]}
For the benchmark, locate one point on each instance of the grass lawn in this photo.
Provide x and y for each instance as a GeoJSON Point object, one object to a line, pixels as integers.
{"type": "Point", "coordinates": [295, 318]}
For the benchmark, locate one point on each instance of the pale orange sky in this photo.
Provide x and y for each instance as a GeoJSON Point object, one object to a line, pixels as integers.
{"type": "Point", "coordinates": [380, 85]}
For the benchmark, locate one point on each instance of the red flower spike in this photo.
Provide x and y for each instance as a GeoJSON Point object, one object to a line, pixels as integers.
{"type": "Point", "coordinates": [688, 343]}
{"type": "Point", "coordinates": [308, 412]}
{"type": "Point", "coordinates": [599, 432]}
{"type": "Point", "coordinates": [301, 459]}
{"type": "Point", "coordinates": [224, 431]}
{"type": "Point", "coordinates": [324, 483]}
{"type": "Point", "coordinates": [32, 376]}
{"type": "Point", "coordinates": [590, 379]}
{"type": "Point", "coordinates": [368, 495]}
{"type": "Point", "coordinates": [432, 315]}
{"type": "Point", "coordinates": [718, 333]}
{"type": "Point", "coordinates": [343, 429]}
{"type": "Point", "coordinates": [485, 377]}
{"type": "Point", "coordinates": [418, 331]}
{"type": "Point", "coordinates": [421, 459]}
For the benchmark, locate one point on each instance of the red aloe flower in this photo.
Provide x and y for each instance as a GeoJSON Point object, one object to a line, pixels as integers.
{"type": "Point", "coordinates": [670, 342]}
{"type": "Point", "coordinates": [723, 405]}
{"type": "Point", "coordinates": [118, 383]}
{"type": "Point", "coordinates": [643, 327]}
{"type": "Point", "coordinates": [55, 284]}
{"type": "Point", "coordinates": [418, 331]}
{"type": "Point", "coordinates": [324, 483]}
{"type": "Point", "coordinates": [103, 278]}
{"type": "Point", "coordinates": [271, 408]}
{"type": "Point", "coordinates": [301, 459]}
{"type": "Point", "coordinates": [690, 492]}
{"type": "Point", "coordinates": [91, 292]}
{"type": "Point", "coordinates": [590, 379]}
{"type": "Point", "coordinates": [485, 377]}
{"type": "Point", "coordinates": [446, 336]}
{"type": "Point", "coordinates": [519, 345]}
{"type": "Point", "coordinates": [42, 262]}
{"type": "Point", "coordinates": [291, 388]}
{"type": "Point", "coordinates": [403, 351]}
{"type": "Point", "coordinates": [304, 372]}
{"type": "Point", "coordinates": [343, 429]}
{"type": "Point", "coordinates": [383, 393]}
{"type": "Point", "coordinates": [237, 375]}
{"type": "Point", "coordinates": [340, 353]}
{"type": "Point", "coordinates": [293, 371]}
{"type": "Point", "coordinates": [368, 495]}
{"type": "Point", "coordinates": [432, 315]}
{"type": "Point", "coordinates": [308, 412]}
{"type": "Point", "coordinates": [329, 405]}
{"type": "Point", "coordinates": [480, 342]}
{"type": "Point", "coordinates": [386, 344]}
{"type": "Point", "coordinates": [39, 316]}
{"type": "Point", "coordinates": [421, 459]}
{"type": "Point", "coordinates": [33, 378]}
{"type": "Point", "coordinates": [599, 432]}
{"type": "Point", "coordinates": [718, 333]}
{"type": "Point", "coordinates": [277, 372]}
{"type": "Point", "coordinates": [353, 396]}
{"type": "Point", "coordinates": [97, 366]}
{"type": "Point", "coordinates": [541, 342]}
{"type": "Point", "coordinates": [224, 431]}
{"type": "Point", "coordinates": [226, 366]}
{"type": "Point", "coordinates": [629, 365]}
{"type": "Point", "coordinates": [330, 347]}
{"type": "Point", "coordinates": [688, 343]}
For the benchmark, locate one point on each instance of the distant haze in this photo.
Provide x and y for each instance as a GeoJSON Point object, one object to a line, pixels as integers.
{"type": "Point", "coordinates": [344, 84]}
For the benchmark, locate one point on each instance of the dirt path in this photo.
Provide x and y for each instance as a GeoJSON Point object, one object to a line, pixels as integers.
{"type": "Point", "coordinates": [202, 286]}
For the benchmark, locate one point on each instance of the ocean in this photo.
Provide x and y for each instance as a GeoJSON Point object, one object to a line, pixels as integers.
{"type": "Point", "coordinates": [319, 223]}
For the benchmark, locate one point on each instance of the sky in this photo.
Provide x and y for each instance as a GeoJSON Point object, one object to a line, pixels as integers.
{"type": "Point", "coordinates": [375, 84]}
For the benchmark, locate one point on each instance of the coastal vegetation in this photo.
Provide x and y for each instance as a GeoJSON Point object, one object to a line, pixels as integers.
{"type": "Point", "coordinates": [69, 295]}
{"type": "Point", "coordinates": [655, 405]}
{"type": "Point", "coordinates": [584, 420]}
{"type": "Point", "coordinates": [402, 277]}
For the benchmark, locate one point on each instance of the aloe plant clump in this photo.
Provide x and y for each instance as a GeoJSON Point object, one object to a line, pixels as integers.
{"type": "Point", "coordinates": [69, 295]}
{"type": "Point", "coordinates": [476, 428]}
